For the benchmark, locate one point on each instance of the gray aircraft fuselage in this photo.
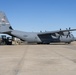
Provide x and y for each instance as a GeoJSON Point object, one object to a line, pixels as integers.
{"type": "Point", "coordinates": [32, 37]}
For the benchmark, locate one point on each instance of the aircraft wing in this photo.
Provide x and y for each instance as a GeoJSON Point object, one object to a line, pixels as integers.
{"type": "Point", "coordinates": [61, 32]}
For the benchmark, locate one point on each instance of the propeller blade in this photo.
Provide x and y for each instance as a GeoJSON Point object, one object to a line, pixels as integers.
{"type": "Point", "coordinates": [69, 28]}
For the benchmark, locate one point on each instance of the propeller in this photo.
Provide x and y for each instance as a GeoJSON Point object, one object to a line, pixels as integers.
{"type": "Point", "coordinates": [68, 32]}
{"type": "Point", "coordinates": [60, 33]}
{"type": "Point", "coordinates": [69, 28]}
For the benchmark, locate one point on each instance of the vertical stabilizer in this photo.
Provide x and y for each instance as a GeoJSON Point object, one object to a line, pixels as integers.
{"type": "Point", "coordinates": [4, 23]}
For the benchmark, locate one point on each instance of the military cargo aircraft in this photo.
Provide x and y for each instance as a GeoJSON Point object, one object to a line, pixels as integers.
{"type": "Point", "coordinates": [36, 37]}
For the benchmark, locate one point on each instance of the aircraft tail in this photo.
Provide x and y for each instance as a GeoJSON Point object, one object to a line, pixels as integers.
{"type": "Point", "coordinates": [5, 26]}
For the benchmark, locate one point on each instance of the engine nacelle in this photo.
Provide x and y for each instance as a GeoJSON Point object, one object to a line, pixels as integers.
{"type": "Point", "coordinates": [67, 39]}
{"type": "Point", "coordinates": [65, 33]}
{"type": "Point", "coordinates": [57, 35]}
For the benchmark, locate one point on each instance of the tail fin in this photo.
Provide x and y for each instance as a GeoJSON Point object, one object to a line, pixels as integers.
{"type": "Point", "coordinates": [4, 23]}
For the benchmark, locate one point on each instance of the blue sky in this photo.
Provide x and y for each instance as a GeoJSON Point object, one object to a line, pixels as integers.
{"type": "Point", "coordinates": [36, 15]}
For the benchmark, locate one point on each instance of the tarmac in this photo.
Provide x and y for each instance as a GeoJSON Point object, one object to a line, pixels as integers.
{"type": "Point", "coordinates": [54, 59]}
